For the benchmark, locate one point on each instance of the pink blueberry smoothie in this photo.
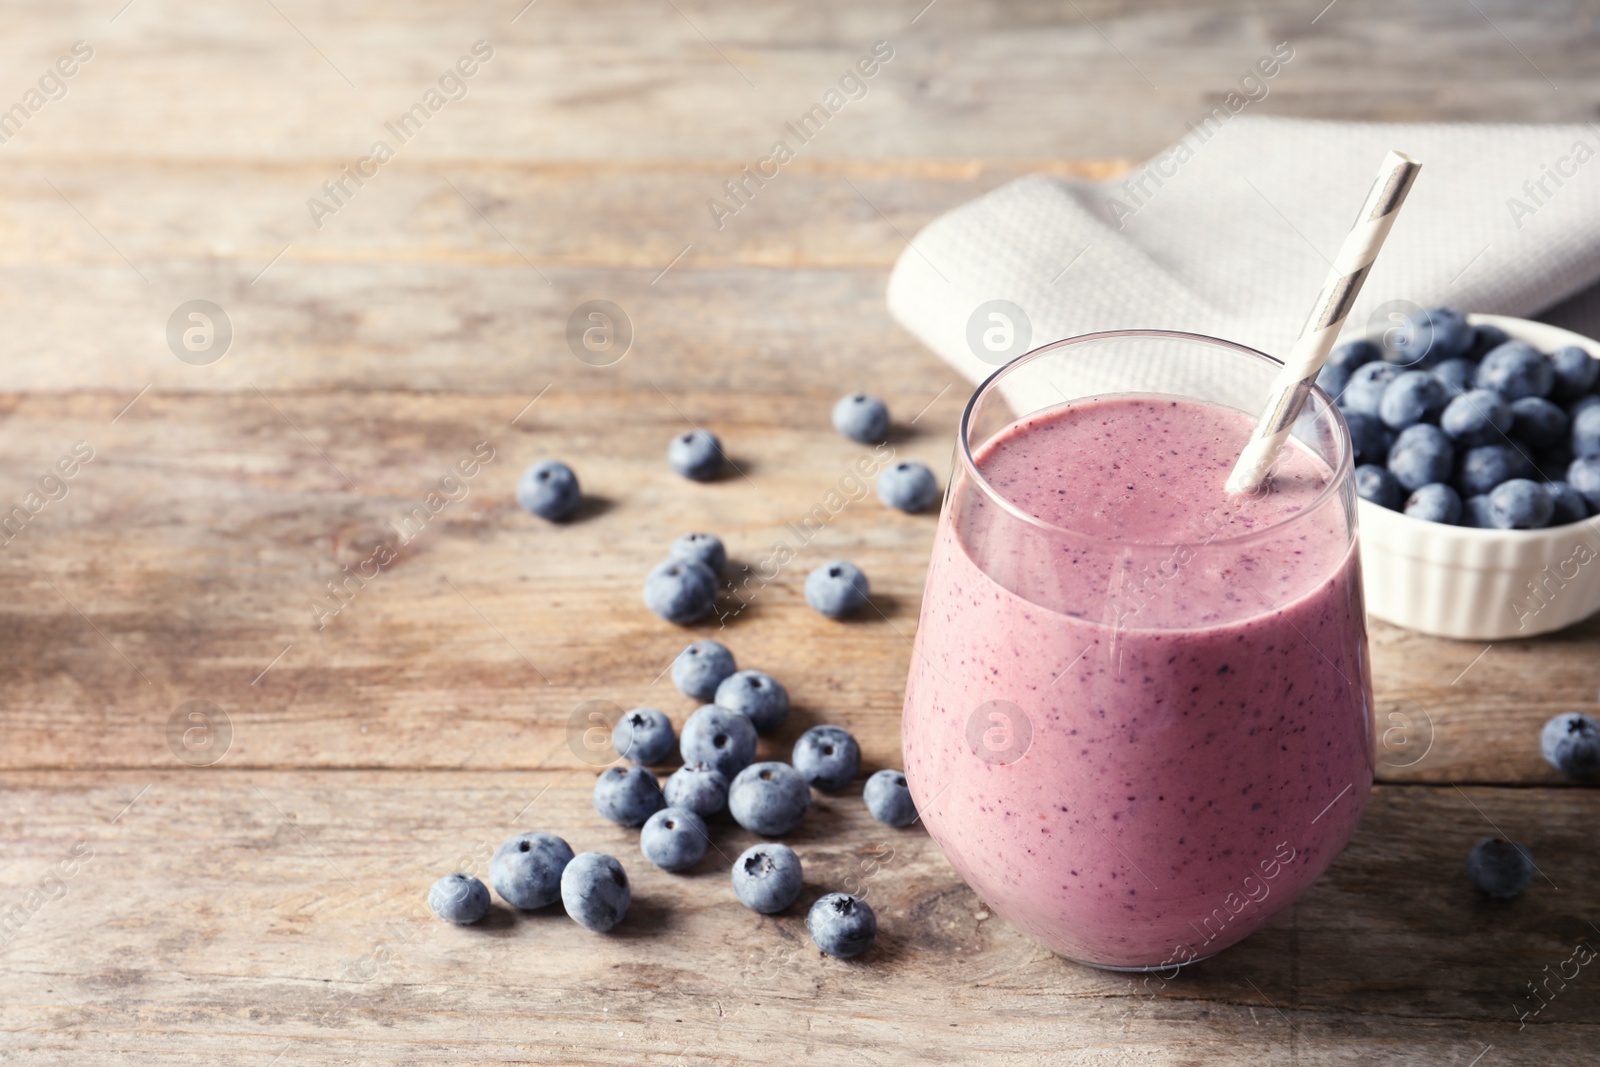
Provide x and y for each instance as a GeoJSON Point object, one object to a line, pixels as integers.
{"type": "Point", "coordinates": [1138, 719]}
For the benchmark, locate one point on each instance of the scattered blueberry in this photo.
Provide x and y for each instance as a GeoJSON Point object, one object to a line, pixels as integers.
{"type": "Point", "coordinates": [889, 798]}
{"type": "Point", "coordinates": [627, 795]}
{"type": "Point", "coordinates": [1377, 485]}
{"type": "Point", "coordinates": [1514, 370]}
{"type": "Point", "coordinates": [837, 588]}
{"type": "Point", "coordinates": [1575, 372]}
{"type": "Point", "coordinates": [680, 591]}
{"type": "Point", "coordinates": [1456, 376]}
{"type": "Point", "coordinates": [644, 736]}
{"type": "Point", "coordinates": [1475, 512]}
{"type": "Point", "coordinates": [769, 798]}
{"type": "Point", "coordinates": [699, 787]}
{"type": "Point", "coordinates": [1369, 437]}
{"type": "Point", "coordinates": [674, 839]}
{"type": "Point", "coordinates": [1569, 504]}
{"type": "Point", "coordinates": [700, 668]}
{"type": "Point", "coordinates": [1477, 417]}
{"type": "Point", "coordinates": [1429, 336]}
{"type": "Point", "coordinates": [1486, 466]}
{"type": "Point", "coordinates": [526, 871]}
{"type": "Point", "coordinates": [861, 418]}
{"type": "Point", "coordinates": [702, 548]}
{"type": "Point", "coordinates": [1520, 504]}
{"type": "Point", "coordinates": [1500, 868]}
{"type": "Point", "coordinates": [1411, 397]}
{"type": "Point", "coordinates": [1571, 743]}
{"type": "Point", "coordinates": [1352, 354]}
{"type": "Point", "coordinates": [767, 877]}
{"type": "Point", "coordinates": [696, 454]}
{"type": "Point", "coordinates": [1485, 339]}
{"type": "Point", "coordinates": [842, 925]}
{"type": "Point", "coordinates": [759, 697]}
{"type": "Point", "coordinates": [909, 486]}
{"type": "Point", "coordinates": [1421, 454]}
{"type": "Point", "coordinates": [1538, 422]}
{"type": "Point", "coordinates": [1586, 429]}
{"type": "Point", "coordinates": [549, 490]}
{"type": "Point", "coordinates": [720, 738]}
{"type": "Point", "coordinates": [827, 757]}
{"type": "Point", "coordinates": [1584, 478]}
{"type": "Point", "coordinates": [1435, 502]}
{"type": "Point", "coordinates": [1366, 387]}
{"type": "Point", "coordinates": [594, 890]}
{"type": "Point", "coordinates": [459, 898]}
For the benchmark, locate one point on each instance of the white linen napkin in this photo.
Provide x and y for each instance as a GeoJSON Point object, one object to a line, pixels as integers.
{"type": "Point", "coordinates": [1230, 233]}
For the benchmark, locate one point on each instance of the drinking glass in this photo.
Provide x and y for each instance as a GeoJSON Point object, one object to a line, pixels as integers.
{"type": "Point", "coordinates": [1139, 752]}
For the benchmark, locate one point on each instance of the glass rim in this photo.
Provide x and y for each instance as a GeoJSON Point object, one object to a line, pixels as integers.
{"type": "Point", "coordinates": [1342, 469]}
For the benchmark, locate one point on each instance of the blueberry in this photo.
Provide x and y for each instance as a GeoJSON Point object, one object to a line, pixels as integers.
{"type": "Point", "coordinates": [1366, 387]}
{"type": "Point", "coordinates": [549, 490]}
{"type": "Point", "coordinates": [696, 454]}
{"type": "Point", "coordinates": [1411, 397]}
{"type": "Point", "coordinates": [1568, 503]}
{"type": "Point", "coordinates": [700, 668]}
{"type": "Point", "coordinates": [1332, 379]}
{"type": "Point", "coordinates": [1520, 504]}
{"type": "Point", "coordinates": [1430, 336]}
{"type": "Point", "coordinates": [759, 697]}
{"type": "Point", "coordinates": [909, 486]}
{"type": "Point", "coordinates": [889, 798]}
{"type": "Point", "coordinates": [1420, 455]}
{"type": "Point", "coordinates": [644, 736]}
{"type": "Point", "coordinates": [627, 795]}
{"type": "Point", "coordinates": [1485, 338]}
{"type": "Point", "coordinates": [1475, 512]}
{"type": "Point", "coordinates": [1486, 466]}
{"type": "Point", "coordinates": [1456, 376]}
{"type": "Point", "coordinates": [1584, 477]}
{"type": "Point", "coordinates": [1352, 354]}
{"type": "Point", "coordinates": [459, 898]}
{"type": "Point", "coordinates": [702, 548]}
{"type": "Point", "coordinates": [698, 787]}
{"type": "Point", "coordinates": [827, 757]}
{"type": "Point", "coordinates": [767, 877]}
{"type": "Point", "coordinates": [842, 925]}
{"type": "Point", "coordinates": [722, 739]}
{"type": "Point", "coordinates": [1538, 422]}
{"type": "Point", "coordinates": [1586, 429]}
{"type": "Point", "coordinates": [1575, 372]}
{"type": "Point", "coordinates": [680, 591]}
{"type": "Point", "coordinates": [1369, 436]}
{"type": "Point", "coordinates": [769, 798]}
{"type": "Point", "coordinates": [1435, 502]}
{"type": "Point", "coordinates": [1552, 462]}
{"type": "Point", "coordinates": [1582, 404]}
{"type": "Point", "coordinates": [1514, 370]}
{"type": "Point", "coordinates": [1376, 484]}
{"type": "Point", "coordinates": [526, 871]}
{"type": "Point", "coordinates": [1477, 417]}
{"type": "Point", "coordinates": [674, 839]}
{"type": "Point", "coordinates": [837, 588]}
{"type": "Point", "coordinates": [1571, 742]}
{"type": "Point", "coordinates": [594, 890]}
{"type": "Point", "coordinates": [1500, 868]}
{"type": "Point", "coordinates": [861, 418]}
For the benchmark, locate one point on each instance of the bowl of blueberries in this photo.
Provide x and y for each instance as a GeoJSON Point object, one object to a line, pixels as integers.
{"type": "Point", "coordinates": [1477, 452]}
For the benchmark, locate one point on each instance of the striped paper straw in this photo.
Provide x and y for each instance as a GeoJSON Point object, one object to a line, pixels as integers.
{"type": "Point", "coordinates": [1310, 351]}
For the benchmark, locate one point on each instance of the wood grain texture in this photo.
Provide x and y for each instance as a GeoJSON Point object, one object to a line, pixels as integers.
{"type": "Point", "coordinates": [268, 908]}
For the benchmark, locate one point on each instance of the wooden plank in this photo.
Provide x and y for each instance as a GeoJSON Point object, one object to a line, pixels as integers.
{"type": "Point", "coordinates": [263, 912]}
{"type": "Point", "coordinates": [196, 541]}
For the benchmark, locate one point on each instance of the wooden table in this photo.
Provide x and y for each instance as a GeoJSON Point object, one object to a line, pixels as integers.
{"type": "Point", "coordinates": [161, 905]}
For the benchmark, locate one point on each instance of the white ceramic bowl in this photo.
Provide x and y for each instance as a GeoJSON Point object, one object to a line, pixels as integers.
{"type": "Point", "coordinates": [1483, 585]}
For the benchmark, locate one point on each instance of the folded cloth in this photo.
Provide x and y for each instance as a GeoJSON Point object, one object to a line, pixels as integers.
{"type": "Point", "coordinates": [1231, 231]}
